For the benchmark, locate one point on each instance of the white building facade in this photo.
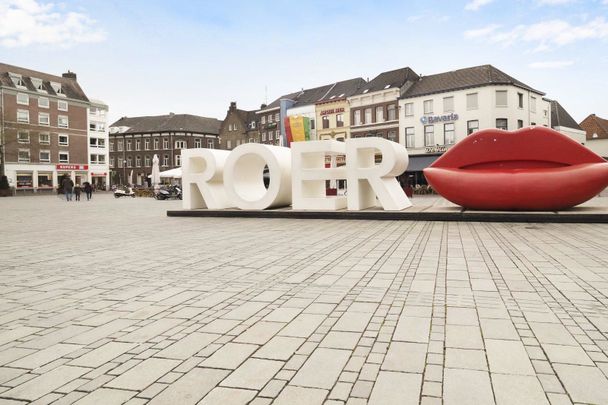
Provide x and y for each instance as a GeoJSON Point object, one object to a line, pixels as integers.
{"type": "Point", "coordinates": [98, 152]}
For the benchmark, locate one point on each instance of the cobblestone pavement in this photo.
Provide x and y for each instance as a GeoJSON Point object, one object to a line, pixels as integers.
{"type": "Point", "coordinates": [110, 302]}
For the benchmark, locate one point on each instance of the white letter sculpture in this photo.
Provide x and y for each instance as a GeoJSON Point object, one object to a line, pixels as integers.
{"type": "Point", "coordinates": [202, 179]}
{"type": "Point", "coordinates": [308, 187]}
{"type": "Point", "coordinates": [244, 176]}
{"type": "Point", "coordinates": [366, 180]}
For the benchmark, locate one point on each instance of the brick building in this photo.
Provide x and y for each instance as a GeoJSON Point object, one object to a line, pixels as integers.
{"type": "Point", "coordinates": [596, 129]}
{"type": "Point", "coordinates": [135, 140]}
{"type": "Point", "coordinates": [238, 127]}
{"type": "Point", "coordinates": [44, 124]}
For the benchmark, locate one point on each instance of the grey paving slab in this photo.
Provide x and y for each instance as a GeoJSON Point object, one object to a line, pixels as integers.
{"type": "Point", "coordinates": [347, 312]}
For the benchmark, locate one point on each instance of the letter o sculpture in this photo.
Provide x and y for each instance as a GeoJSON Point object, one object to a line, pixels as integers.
{"type": "Point", "coordinates": [244, 176]}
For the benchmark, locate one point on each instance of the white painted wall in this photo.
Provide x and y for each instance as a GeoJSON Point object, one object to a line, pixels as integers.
{"type": "Point", "coordinates": [101, 117]}
{"type": "Point", "coordinates": [599, 146]}
{"type": "Point", "coordinates": [486, 113]}
{"type": "Point", "coordinates": [578, 135]}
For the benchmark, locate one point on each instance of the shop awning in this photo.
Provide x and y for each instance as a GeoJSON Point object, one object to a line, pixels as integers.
{"type": "Point", "coordinates": [417, 163]}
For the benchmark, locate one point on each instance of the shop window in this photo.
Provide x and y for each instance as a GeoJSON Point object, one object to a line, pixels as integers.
{"type": "Point", "coordinates": [449, 134]}
{"type": "Point", "coordinates": [44, 138]}
{"type": "Point", "coordinates": [23, 156]}
{"type": "Point", "coordinates": [428, 106]}
{"type": "Point", "coordinates": [472, 101]}
{"type": "Point", "coordinates": [409, 137]}
{"type": "Point", "coordinates": [392, 112]}
{"type": "Point", "coordinates": [23, 99]}
{"type": "Point", "coordinates": [325, 122]}
{"type": "Point", "coordinates": [339, 120]}
{"type": "Point", "coordinates": [472, 126]}
{"type": "Point", "coordinates": [501, 98]}
{"type": "Point", "coordinates": [23, 137]}
{"type": "Point", "coordinates": [23, 116]}
{"type": "Point", "coordinates": [24, 180]}
{"type": "Point", "coordinates": [520, 100]}
{"type": "Point", "coordinates": [43, 102]}
{"type": "Point", "coordinates": [429, 135]}
{"type": "Point", "coordinates": [502, 123]}
{"type": "Point", "coordinates": [43, 119]}
{"type": "Point", "coordinates": [379, 114]}
{"type": "Point", "coordinates": [409, 109]}
{"type": "Point", "coordinates": [448, 104]}
{"type": "Point", "coordinates": [357, 118]}
{"type": "Point", "coordinates": [45, 180]}
{"type": "Point", "coordinates": [62, 121]}
{"type": "Point", "coordinates": [45, 156]}
{"type": "Point", "coordinates": [64, 157]}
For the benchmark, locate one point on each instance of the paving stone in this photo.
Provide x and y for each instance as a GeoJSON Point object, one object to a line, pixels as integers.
{"type": "Point", "coordinates": [253, 374]}
{"type": "Point", "coordinates": [190, 388]}
{"type": "Point", "coordinates": [280, 348]}
{"type": "Point", "coordinates": [97, 357]}
{"type": "Point", "coordinates": [463, 337]}
{"type": "Point", "coordinates": [300, 396]}
{"type": "Point", "coordinates": [187, 346]}
{"type": "Point", "coordinates": [106, 396]}
{"type": "Point", "coordinates": [341, 340]}
{"type": "Point", "coordinates": [464, 387]}
{"type": "Point", "coordinates": [584, 384]}
{"type": "Point", "coordinates": [44, 356]}
{"type": "Point", "coordinates": [466, 358]}
{"type": "Point", "coordinates": [406, 357]}
{"type": "Point", "coordinates": [302, 326]}
{"type": "Point", "coordinates": [518, 389]}
{"type": "Point", "coordinates": [322, 368]}
{"type": "Point", "coordinates": [229, 356]}
{"type": "Point", "coordinates": [228, 396]}
{"type": "Point", "coordinates": [413, 329]}
{"type": "Point", "coordinates": [143, 374]}
{"type": "Point", "coordinates": [260, 333]}
{"type": "Point", "coordinates": [567, 354]}
{"type": "Point", "coordinates": [46, 383]}
{"type": "Point", "coordinates": [509, 357]}
{"type": "Point", "coordinates": [396, 389]}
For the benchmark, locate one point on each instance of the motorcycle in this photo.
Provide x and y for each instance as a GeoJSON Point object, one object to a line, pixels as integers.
{"type": "Point", "coordinates": [128, 192]}
{"type": "Point", "coordinates": [170, 193]}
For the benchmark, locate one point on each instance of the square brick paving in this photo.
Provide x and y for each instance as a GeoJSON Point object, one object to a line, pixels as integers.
{"type": "Point", "coordinates": [112, 302]}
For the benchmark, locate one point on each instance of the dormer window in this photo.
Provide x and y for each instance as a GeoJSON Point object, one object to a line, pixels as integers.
{"type": "Point", "coordinates": [57, 89]}
{"type": "Point", "coordinates": [387, 86]}
{"type": "Point", "coordinates": [252, 126]}
{"type": "Point", "coordinates": [38, 85]}
{"type": "Point", "coordinates": [17, 80]}
{"type": "Point", "coordinates": [365, 91]}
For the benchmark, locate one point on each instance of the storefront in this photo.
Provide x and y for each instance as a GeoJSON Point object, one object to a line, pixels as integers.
{"type": "Point", "coordinates": [78, 173]}
{"type": "Point", "coordinates": [99, 180]}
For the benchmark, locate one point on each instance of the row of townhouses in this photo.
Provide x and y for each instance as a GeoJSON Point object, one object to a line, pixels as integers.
{"type": "Point", "coordinates": [49, 128]}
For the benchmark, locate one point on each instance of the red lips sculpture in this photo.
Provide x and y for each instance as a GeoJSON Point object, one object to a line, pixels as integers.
{"type": "Point", "coordinates": [535, 169]}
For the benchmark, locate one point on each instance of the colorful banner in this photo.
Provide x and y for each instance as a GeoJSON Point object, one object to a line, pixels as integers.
{"type": "Point", "coordinates": [297, 129]}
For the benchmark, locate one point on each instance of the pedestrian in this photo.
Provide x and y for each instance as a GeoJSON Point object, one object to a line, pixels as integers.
{"type": "Point", "coordinates": [67, 185]}
{"type": "Point", "coordinates": [88, 189]}
{"type": "Point", "coordinates": [77, 190]}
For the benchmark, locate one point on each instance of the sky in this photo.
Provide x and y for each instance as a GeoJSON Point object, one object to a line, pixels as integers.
{"type": "Point", "coordinates": [154, 57]}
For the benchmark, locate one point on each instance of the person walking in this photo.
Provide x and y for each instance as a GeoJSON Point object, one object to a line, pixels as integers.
{"type": "Point", "coordinates": [77, 190]}
{"type": "Point", "coordinates": [67, 184]}
{"type": "Point", "coordinates": [88, 189]}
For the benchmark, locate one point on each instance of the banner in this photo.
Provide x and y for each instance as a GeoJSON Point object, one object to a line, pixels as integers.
{"type": "Point", "coordinates": [297, 129]}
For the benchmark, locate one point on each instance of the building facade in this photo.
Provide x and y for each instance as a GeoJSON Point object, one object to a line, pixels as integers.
{"type": "Point", "coordinates": [44, 132]}
{"type": "Point", "coordinates": [99, 155]}
{"type": "Point", "coordinates": [133, 142]}
{"type": "Point", "coordinates": [596, 132]}
{"type": "Point", "coordinates": [332, 113]}
{"type": "Point", "coordinates": [238, 127]}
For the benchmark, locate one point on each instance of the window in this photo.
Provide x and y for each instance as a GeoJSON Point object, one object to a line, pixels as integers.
{"type": "Point", "coordinates": [111, 146]}
{"type": "Point", "coordinates": [120, 162]}
{"type": "Point", "coordinates": [165, 143]}
{"type": "Point", "coordinates": [270, 136]}
{"type": "Point", "coordinates": [156, 143]}
{"type": "Point", "coordinates": [44, 139]}
{"type": "Point", "coordinates": [544, 113]}
{"type": "Point", "coordinates": [263, 119]}
{"type": "Point", "coordinates": [501, 123]}
{"type": "Point", "coordinates": [312, 123]}
{"type": "Point", "coordinates": [379, 114]}
{"type": "Point", "coordinates": [45, 180]}
{"type": "Point", "coordinates": [138, 161]}
{"type": "Point", "coordinates": [101, 159]}
{"type": "Point", "coordinates": [180, 145]}
{"type": "Point", "coordinates": [252, 125]}
{"type": "Point", "coordinates": [178, 160]}
{"type": "Point", "coordinates": [409, 137]}
{"type": "Point", "coordinates": [120, 145]}
{"type": "Point", "coordinates": [325, 122]}
{"type": "Point", "coordinates": [62, 105]}
{"type": "Point", "coordinates": [138, 144]}
{"type": "Point", "coordinates": [368, 115]}
{"type": "Point", "coordinates": [449, 135]}
{"type": "Point", "coordinates": [448, 104]}
{"type": "Point", "coordinates": [101, 143]}
{"type": "Point", "coordinates": [111, 161]}
{"type": "Point", "coordinates": [23, 137]}
{"type": "Point", "coordinates": [533, 104]}
{"type": "Point", "coordinates": [270, 119]}
{"type": "Point", "coordinates": [23, 98]}
{"type": "Point", "coordinates": [43, 102]}
{"type": "Point", "coordinates": [263, 136]}
{"type": "Point", "coordinates": [129, 161]}
{"type": "Point", "coordinates": [146, 144]}
{"type": "Point", "coordinates": [229, 127]}
{"type": "Point", "coordinates": [429, 135]}
{"type": "Point", "coordinates": [472, 126]}
{"type": "Point", "coordinates": [428, 106]}
{"type": "Point", "coordinates": [23, 116]}
{"type": "Point", "coordinates": [339, 120]}
{"type": "Point", "coordinates": [392, 112]}
{"type": "Point", "coordinates": [520, 100]}
{"type": "Point", "coordinates": [43, 119]}
{"type": "Point", "coordinates": [520, 124]}
{"type": "Point", "coordinates": [38, 85]}
{"type": "Point", "coordinates": [409, 109]}
{"type": "Point", "coordinates": [57, 89]}
{"type": "Point", "coordinates": [17, 80]}
{"type": "Point", "coordinates": [63, 140]}
{"type": "Point", "coordinates": [277, 117]}
{"type": "Point", "coordinates": [198, 143]}
{"type": "Point", "coordinates": [472, 102]}
{"type": "Point", "coordinates": [64, 157]}
{"type": "Point", "coordinates": [23, 156]}
{"type": "Point", "coordinates": [62, 121]}
{"type": "Point", "coordinates": [392, 135]}
{"type": "Point", "coordinates": [129, 145]}
{"type": "Point", "coordinates": [358, 117]}
{"type": "Point", "coordinates": [93, 159]}
{"type": "Point", "coordinates": [501, 98]}
{"type": "Point", "coordinates": [229, 144]}
{"type": "Point", "coordinates": [24, 180]}
{"type": "Point", "coordinates": [210, 144]}
{"type": "Point", "coordinates": [147, 161]}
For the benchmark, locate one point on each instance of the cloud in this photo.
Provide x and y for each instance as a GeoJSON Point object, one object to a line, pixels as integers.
{"type": "Point", "coordinates": [475, 5]}
{"type": "Point", "coordinates": [30, 22]}
{"type": "Point", "coordinates": [556, 64]}
{"type": "Point", "coordinates": [554, 2]}
{"type": "Point", "coordinates": [545, 34]}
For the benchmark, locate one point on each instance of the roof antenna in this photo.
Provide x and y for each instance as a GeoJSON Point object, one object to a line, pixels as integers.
{"type": "Point", "coordinates": [265, 94]}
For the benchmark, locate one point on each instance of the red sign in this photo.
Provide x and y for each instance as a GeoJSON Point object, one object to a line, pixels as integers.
{"type": "Point", "coordinates": [98, 174]}
{"type": "Point", "coordinates": [72, 167]}
{"type": "Point", "coordinates": [332, 111]}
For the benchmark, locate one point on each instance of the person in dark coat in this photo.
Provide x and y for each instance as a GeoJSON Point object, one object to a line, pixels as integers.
{"type": "Point", "coordinates": [77, 190]}
{"type": "Point", "coordinates": [67, 184]}
{"type": "Point", "coordinates": [88, 189]}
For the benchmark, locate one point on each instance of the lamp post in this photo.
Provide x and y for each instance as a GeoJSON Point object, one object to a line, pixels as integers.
{"type": "Point", "coordinates": [124, 171]}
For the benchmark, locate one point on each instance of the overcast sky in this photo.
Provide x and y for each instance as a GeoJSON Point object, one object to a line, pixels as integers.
{"type": "Point", "coordinates": [155, 57]}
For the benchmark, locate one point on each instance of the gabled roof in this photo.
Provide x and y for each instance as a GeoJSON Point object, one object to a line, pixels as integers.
{"type": "Point", "coordinates": [592, 124]}
{"type": "Point", "coordinates": [391, 79]}
{"type": "Point", "coordinates": [561, 118]}
{"type": "Point", "coordinates": [461, 79]}
{"type": "Point", "coordinates": [169, 123]}
{"type": "Point", "coordinates": [70, 87]}
{"type": "Point", "coordinates": [319, 94]}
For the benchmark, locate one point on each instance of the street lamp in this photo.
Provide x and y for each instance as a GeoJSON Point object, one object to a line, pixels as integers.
{"type": "Point", "coordinates": [124, 171]}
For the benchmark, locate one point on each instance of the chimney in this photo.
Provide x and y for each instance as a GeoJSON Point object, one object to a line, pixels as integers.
{"type": "Point", "coordinates": [69, 75]}
{"type": "Point", "coordinates": [263, 106]}
{"type": "Point", "coordinates": [171, 113]}
{"type": "Point", "coordinates": [232, 105]}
